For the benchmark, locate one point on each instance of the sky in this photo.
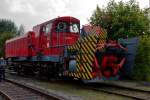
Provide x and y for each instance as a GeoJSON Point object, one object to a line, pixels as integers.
{"type": "Point", "coordinates": [32, 12]}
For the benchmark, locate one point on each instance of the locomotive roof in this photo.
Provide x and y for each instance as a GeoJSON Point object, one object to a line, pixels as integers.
{"type": "Point", "coordinates": [17, 38]}
{"type": "Point", "coordinates": [59, 18]}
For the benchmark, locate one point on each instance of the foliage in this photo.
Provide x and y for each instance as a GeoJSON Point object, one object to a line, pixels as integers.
{"type": "Point", "coordinates": [142, 61]}
{"type": "Point", "coordinates": [7, 26]}
{"type": "Point", "coordinates": [3, 38]}
{"type": "Point", "coordinates": [8, 29]}
{"type": "Point", "coordinates": [121, 19]}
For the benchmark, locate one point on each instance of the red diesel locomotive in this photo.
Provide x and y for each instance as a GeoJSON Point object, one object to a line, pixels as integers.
{"type": "Point", "coordinates": [58, 48]}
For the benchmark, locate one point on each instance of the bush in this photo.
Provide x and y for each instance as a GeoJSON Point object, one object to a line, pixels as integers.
{"type": "Point", "coordinates": [142, 60]}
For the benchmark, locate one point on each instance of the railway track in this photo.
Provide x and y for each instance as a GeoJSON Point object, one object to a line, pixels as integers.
{"type": "Point", "coordinates": [11, 90]}
{"type": "Point", "coordinates": [133, 93]}
{"type": "Point", "coordinates": [129, 92]}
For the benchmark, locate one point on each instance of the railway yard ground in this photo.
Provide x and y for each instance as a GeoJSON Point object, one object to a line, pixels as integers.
{"type": "Point", "coordinates": [71, 91]}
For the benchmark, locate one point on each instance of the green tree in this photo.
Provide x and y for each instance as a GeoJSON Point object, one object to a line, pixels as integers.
{"type": "Point", "coordinates": [121, 19]}
{"type": "Point", "coordinates": [3, 38]}
{"type": "Point", "coordinates": [142, 60]}
{"type": "Point", "coordinates": [7, 26]}
{"type": "Point", "coordinates": [8, 29]}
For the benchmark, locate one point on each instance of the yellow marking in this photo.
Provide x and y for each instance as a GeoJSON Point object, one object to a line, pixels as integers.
{"type": "Point", "coordinates": [78, 68]}
{"type": "Point", "coordinates": [101, 37]}
{"type": "Point", "coordinates": [93, 38]}
{"type": "Point", "coordinates": [91, 51]}
{"type": "Point", "coordinates": [78, 57]}
{"type": "Point", "coordinates": [74, 47]}
{"type": "Point", "coordinates": [86, 39]}
{"type": "Point", "coordinates": [90, 38]}
{"type": "Point", "coordinates": [83, 68]}
{"type": "Point", "coordinates": [91, 58]}
{"type": "Point", "coordinates": [84, 59]}
{"type": "Point", "coordinates": [86, 45]}
{"type": "Point", "coordinates": [91, 46]}
{"type": "Point", "coordinates": [78, 45]}
{"type": "Point", "coordinates": [89, 67]}
{"type": "Point", "coordinates": [82, 39]}
{"type": "Point", "coordinates": [86, 75]}
{"type": "Point", "coordinates": [82, 51]}
{"type": "Point", "coordinates": [87, 50]}
{"type": "Point", "coordinates": [84, 48]}
{"type": "Point", "coordinates": [79, 75]}
{"type": "Point", "coordinates": [89, 61]}
{"type": "Point", "coordinates": [88, 71]}
{"type": "Point", "coordinates": [83, 76]}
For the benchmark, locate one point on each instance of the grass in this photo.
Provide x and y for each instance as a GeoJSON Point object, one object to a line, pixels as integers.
{"type": "Point", "coordinates": [79, 91]}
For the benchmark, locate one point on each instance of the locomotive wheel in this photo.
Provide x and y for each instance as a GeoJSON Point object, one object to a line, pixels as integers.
{"type": "Point", "coordinates": [53, 71]}
{"type": "Point", "coordinates": [28, 70]}
{"type": "Point", "coordinates": [18, 69]}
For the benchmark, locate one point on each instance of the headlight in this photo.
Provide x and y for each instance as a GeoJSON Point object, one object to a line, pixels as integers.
{"type": "Point", "coordinates": [74, 28]}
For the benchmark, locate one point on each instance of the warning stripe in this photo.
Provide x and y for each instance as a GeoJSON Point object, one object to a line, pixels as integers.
{"type": "Point", "coordinates": [83, 76]}
{"type": "Point", "coordinates": [93, 38]}
{"type": "Point", "coordinates": [78, 45]}
{"type": "Point", "coordinates": [89, 50]}
{"type": "Point", "coordinates": [90, 47]}
{"type": "Point", "coordinates": [78, 68]}
{"type": "Point", "coordinates": [77, 48]}
{"type": "Point", "coordinates": [87, 71]}
{"type": "Point", "coordinates": [78, 75]}
{"type": "Point", "coordinates": [85, 39]}
{"type": "Point", "coordinates": [89, 67]}
{"type": "Point", "coordinates": [89, 61]}
{"type": "Point", "coordinates": [87, 77]}
{"type": "Point", "coordinates": [82, 67]}
{"type": "Point", "coordinates": [86, 47]}
{"type": "Point", "coordinates": [78, 57]}
{"type": "Point", "coordinates": [82, 56]}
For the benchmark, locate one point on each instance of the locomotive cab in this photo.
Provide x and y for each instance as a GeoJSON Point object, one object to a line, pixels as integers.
{"type": "Point", "coordinates": [67, 32]}
{"type": "Point", "coordinates": [54, 35]}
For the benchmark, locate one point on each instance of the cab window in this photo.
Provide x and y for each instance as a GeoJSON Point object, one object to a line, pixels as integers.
{"type": "Point", "coordinates": [61, 27]}
{"type": "Point", "coordinates": [48, 28]}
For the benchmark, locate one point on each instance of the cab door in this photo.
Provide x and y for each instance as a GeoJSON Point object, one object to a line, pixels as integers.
{"type": "Point", "coordinates": [45, 37]}
{"type": "Point", "coordinates": [59, 33]}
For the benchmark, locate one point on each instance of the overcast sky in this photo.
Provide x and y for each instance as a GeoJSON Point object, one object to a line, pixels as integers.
{"type": "Point", "coordinates": [32, 12]}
